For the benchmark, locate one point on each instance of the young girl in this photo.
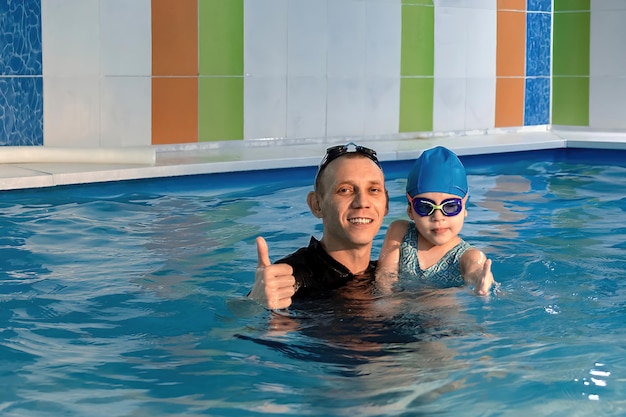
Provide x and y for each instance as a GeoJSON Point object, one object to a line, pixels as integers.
{"type": "Point", "coordinates": [429, 247]}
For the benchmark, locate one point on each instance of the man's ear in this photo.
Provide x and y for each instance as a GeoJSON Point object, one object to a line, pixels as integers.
{"type": "Point", "coordinates": [387, 204]}
{"type": "Point", "coordinates": [314, 204]}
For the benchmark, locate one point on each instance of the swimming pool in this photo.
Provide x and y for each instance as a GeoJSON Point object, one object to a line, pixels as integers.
{"type": "Point", "coordinates": [127, 299]}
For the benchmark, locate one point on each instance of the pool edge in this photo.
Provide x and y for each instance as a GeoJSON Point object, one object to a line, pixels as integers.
{"type": "Point", "coordinates": [256, 155]}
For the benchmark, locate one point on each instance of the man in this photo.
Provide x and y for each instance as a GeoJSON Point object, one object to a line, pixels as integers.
{"type": "Point", "coordinates": [351, 199]}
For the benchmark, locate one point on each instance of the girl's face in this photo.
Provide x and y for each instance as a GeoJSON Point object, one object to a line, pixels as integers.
{"type": "Point", "coordinates": [437, 228]}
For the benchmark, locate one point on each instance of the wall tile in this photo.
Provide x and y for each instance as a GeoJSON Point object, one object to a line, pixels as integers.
{"type": "Point", "coordinates": [571, 44]}
{"type": "Point", "coordinates": [480, 106]}
{"type": "Point", "coordinates": [416, 104]}
{"type": "Point", "coordinates": [347, 36]}
{"type": "Point", "coordinates": [345, 114]}
{"type": "Point", "coordinates": [449, 98]}
{"type": "Point", "coordinates": [450, 42]}
{"type": "Point", "coordinates": [125, 111]}
{"type": "Point", "coordinates": [511, 44]}
{"type": "Point", "coordinates": [175, 38]}
{"type": "Point", "coordinates": [72, 111]}
{"type": "Point", "coordinates": [64, 53]}
{"type": "Point", "coordinates": [537, 101]}
{"type": "Point", "coordinates": [538, 40]}
{"type": "Point", "coordinates": [418, 41]}
{"type": "Point", "coordinates": [608, 36]}
{"type": "Point", "coordinates": [306, 113]}
{"type": "Point", "coordinates": [265, 107]}
{"type": "Point", "coordinates": [381, 106]}
{"type": "Point", "coordinates": [539, 6]}
{"type": "Point", "coordinates": [221, 37]}
{"type": "Point", "coordinates": [452, 3]}
{"type": "Point", "coordinates": [481, 38]}
{"type": "Point", "coordinates": [512, 5]}
{"type": "Point", "coordinates": [265, 38]}
{"type": "Point", "coordinates": [573, 5]}
{"type": "Point", "coordinates": [510, 101]}
{"type": "Point", "coordinates": [307, 38]}
{"type": "Point", "coordinates": [383, 38]}
{"type": "Point", "coordinates": [20, 38]}
{"type": "Point", "coordinates": [125, 37]}
{"type": "Point", "coordinates": [570, 98]}
{"type": "Point", "coordinates": [220, 108]}
{"type": "Point", "coordinates": [21, 109]}
{"type": "Point", "coordinates": [606, 5]}
{"type": "Point", "coordinates": [418, 2]}
{"type": "Point", "coordinates": [607, 101]}
{"type": "Point", "coordinates": [174, 110]}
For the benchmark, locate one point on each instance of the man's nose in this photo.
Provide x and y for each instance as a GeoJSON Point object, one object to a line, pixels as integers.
{"type": "Point", "coordinates": [361, 199]}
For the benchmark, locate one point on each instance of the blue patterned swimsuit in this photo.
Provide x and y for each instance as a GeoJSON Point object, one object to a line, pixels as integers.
{"type": "Point", "coordinates": [445, 273]}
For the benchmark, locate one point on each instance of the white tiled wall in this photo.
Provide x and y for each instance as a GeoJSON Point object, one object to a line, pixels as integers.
{"type": "Point", "coordinates": [313, 68]}
{"type": "Point", "coordinates": [96, 68]}
{"type": "Point", "coordinates": [465, 65]}
{"type": "Point", "coordinates": [333, 67]}
{"type": "Point", "coordinates": [607, 83]}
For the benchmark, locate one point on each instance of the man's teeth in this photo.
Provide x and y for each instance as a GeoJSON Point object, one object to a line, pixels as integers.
{"type": "Point", "coordinates": [360, 220]}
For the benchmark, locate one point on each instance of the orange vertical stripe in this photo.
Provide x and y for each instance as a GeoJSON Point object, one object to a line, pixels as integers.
{"type": "Point", "coordinates": [511, 44]}
{"type": "Point", "coordinates": [509, 102]}
{"type": "Point", "coordinates": [174, 56]}
{"type": "Point", "coordinates": [512, 5]}
{"type": "Point", "coordinates": [510, 64]}
{"type": "Point", "coordinates": [174, 110]}
{"type": "Point", "coordinates": [175, 37]}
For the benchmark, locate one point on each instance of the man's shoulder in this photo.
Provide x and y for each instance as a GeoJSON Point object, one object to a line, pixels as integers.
{"type": "Point", "coordinates": [303, 255]}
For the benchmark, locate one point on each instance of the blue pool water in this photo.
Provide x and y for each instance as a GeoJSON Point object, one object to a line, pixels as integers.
{"type": "Point", "coordinates": [127, 299]}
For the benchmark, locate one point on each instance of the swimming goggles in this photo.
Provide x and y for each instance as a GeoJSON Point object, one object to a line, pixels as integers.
{"type": "Point", "coordinates": [335, 152]}
{"type": "Point", "coordinates": [425, 206]}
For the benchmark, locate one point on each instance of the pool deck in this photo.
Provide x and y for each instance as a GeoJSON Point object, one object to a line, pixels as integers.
{"type": "Point", "coordinates": [36, 167]}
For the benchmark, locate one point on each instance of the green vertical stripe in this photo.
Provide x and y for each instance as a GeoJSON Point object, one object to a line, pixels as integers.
{"type": "Point", "coordinates": [416, 104]}
{"type": "Point", "coordinates": [417, 66]}
{"type": "Point", "coordinates": [220, 40]}
{"type": "Point", "coordinates": [418, 41]}
{"type": "Point", "coordinates": [570, 101]}
{"type": "Point", "coordinates": [570, 70]}
{"type": "Point", "coordinates": [572, 5]}
{"type": "Point", "coordinates": [571, 43]}
{"type": "Point", "coordinates": [220, 60]}
{"type": "Point", "coordinates": [220, 108]}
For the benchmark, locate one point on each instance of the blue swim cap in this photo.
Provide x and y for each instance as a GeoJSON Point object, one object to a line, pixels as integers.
{"type": "Point", "coordinates": [437, 170]}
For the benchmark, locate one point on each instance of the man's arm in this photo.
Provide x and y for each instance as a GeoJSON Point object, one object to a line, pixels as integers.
{"type": "Point", "coordinates": [274, 285]}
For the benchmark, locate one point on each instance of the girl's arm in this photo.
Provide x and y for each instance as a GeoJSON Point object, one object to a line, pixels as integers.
{"type": "Point", "coordinates": [476, 271]}
{"type": "Point", "coordinates": [390, 252]}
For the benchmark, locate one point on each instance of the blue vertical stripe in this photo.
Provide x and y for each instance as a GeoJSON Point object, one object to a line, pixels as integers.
{"type": "Point", "coordinates": [539, 5]}
{"type": "Point", "coordinates": [20, 37]}
{"type": "Point", "coordinates": [21, 69]}
{"type": "Point", "coordinates": [21, 111]}
{"type": "Point", "coordinates": [538, 28]}
{"type": "Point", "coordinates": [538, 67]}
{"type": "Point", "coordinates": [537, 101]}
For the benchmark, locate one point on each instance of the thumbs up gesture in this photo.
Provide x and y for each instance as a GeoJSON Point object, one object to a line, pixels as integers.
{"type": "Point", "coordinates": [273, 284]}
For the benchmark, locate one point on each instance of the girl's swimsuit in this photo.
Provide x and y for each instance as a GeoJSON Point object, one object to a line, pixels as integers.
{"type": "Point", "coordinates": [445, 273]}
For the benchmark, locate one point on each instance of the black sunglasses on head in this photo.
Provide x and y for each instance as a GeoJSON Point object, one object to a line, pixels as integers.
{"type": "Point", "coordinates": [335, 152]}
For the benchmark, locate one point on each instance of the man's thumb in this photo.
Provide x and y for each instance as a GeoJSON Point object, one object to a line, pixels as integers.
{"type": "Point", "coordinates": [262, 252]}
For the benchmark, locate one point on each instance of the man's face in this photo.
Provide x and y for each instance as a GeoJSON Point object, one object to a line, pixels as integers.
{"type": "Point", "coordinates": [352, 202]}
